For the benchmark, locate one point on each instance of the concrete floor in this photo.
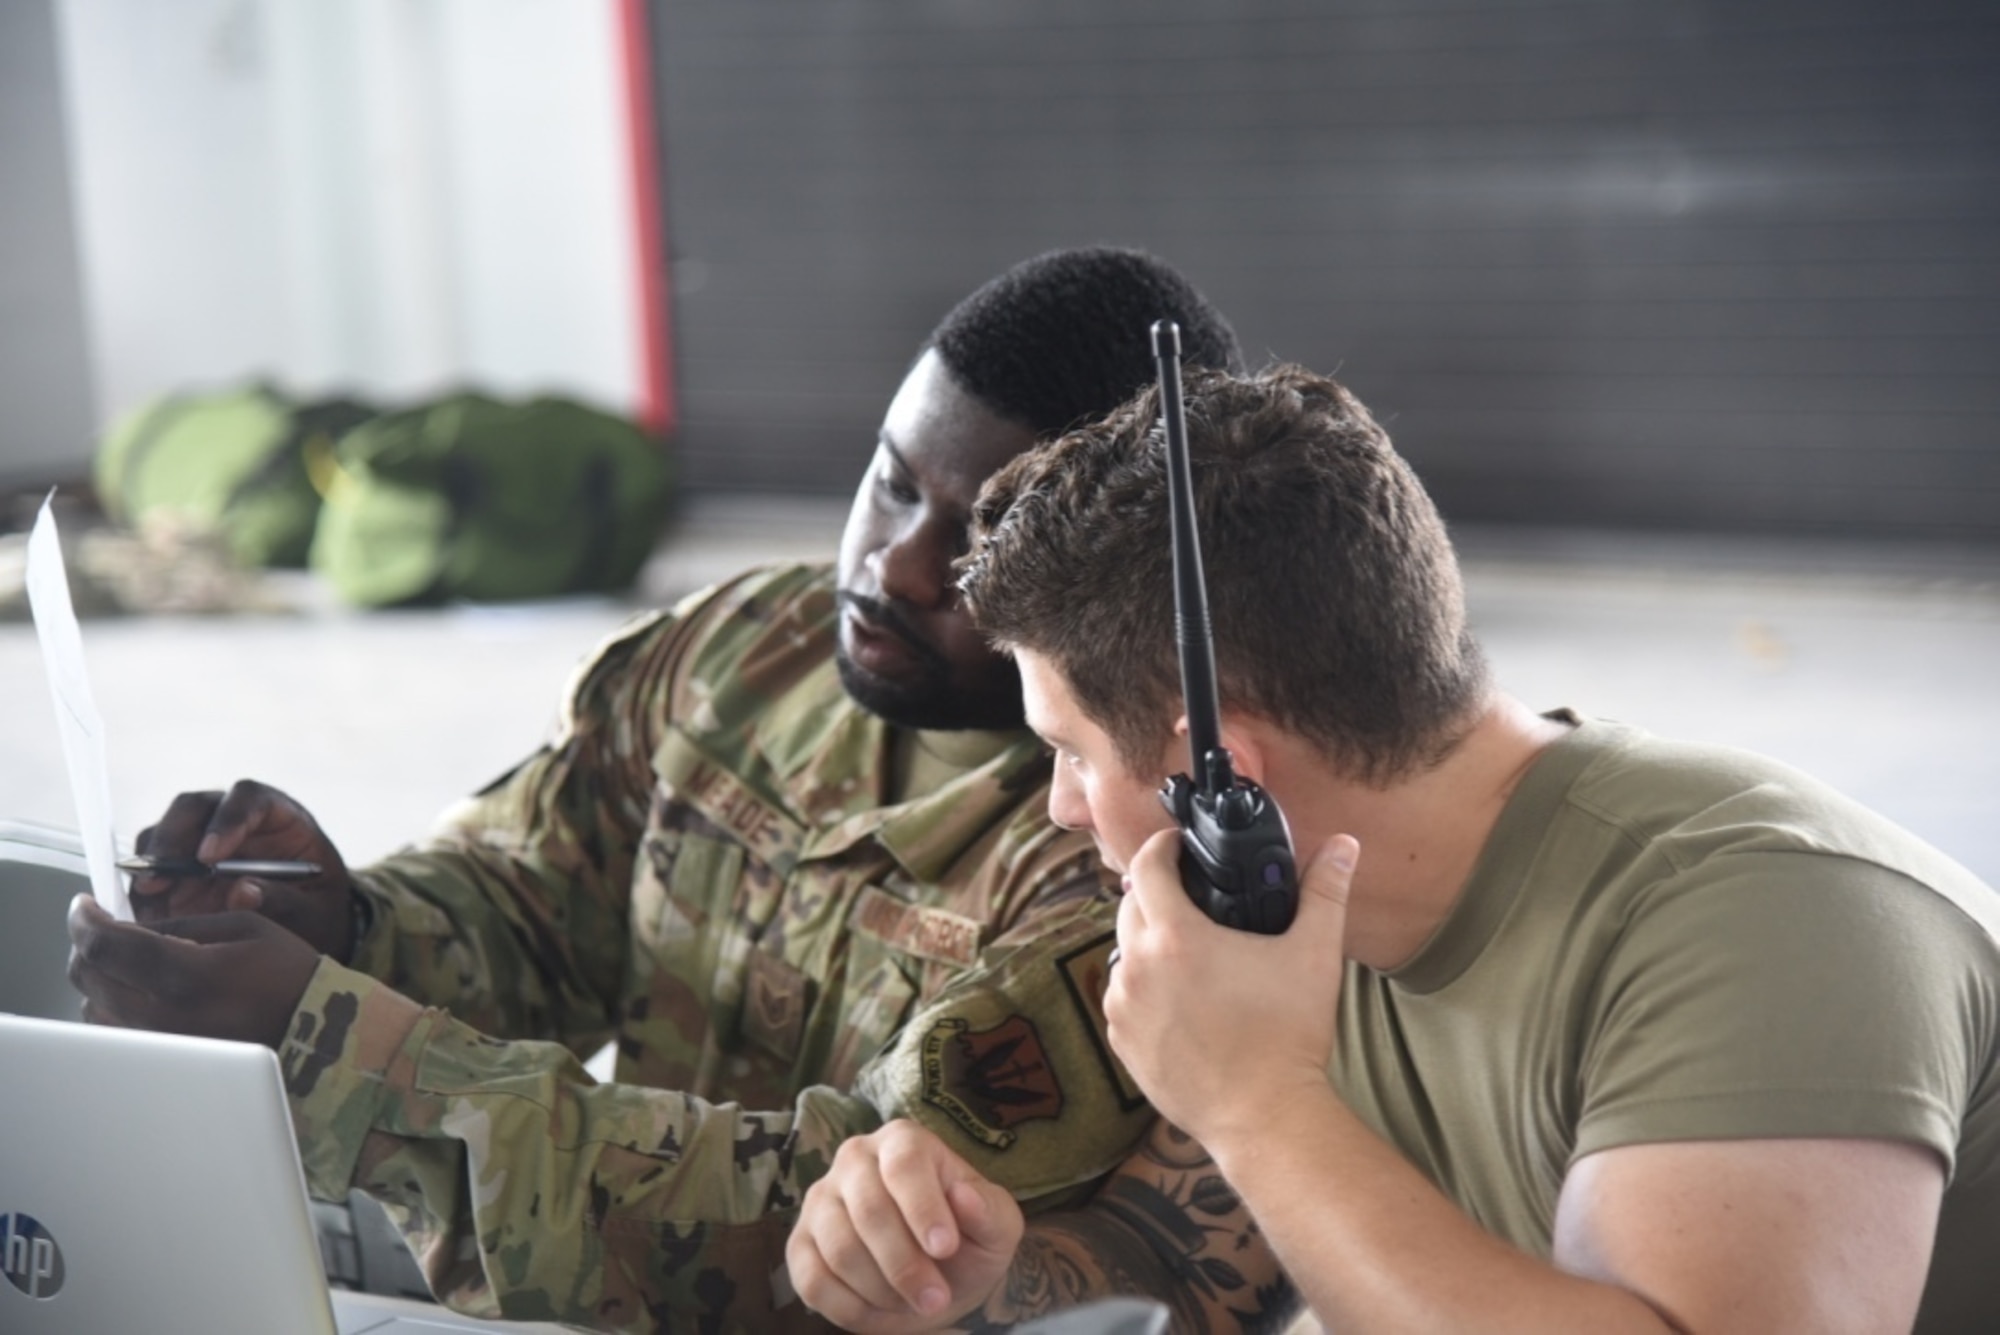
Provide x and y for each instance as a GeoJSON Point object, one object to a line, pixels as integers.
{"type": "Point", "coordinates": [1876, 668]}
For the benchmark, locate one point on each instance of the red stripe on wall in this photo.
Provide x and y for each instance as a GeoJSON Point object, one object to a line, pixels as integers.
{"type": "Point", "coordinates": [657, 407]}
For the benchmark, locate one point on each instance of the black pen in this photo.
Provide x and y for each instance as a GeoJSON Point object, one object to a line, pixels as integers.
{"type": "Point", "coordinates": [270, 870]}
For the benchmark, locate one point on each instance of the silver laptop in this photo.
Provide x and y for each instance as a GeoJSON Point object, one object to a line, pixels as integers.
{"type": "Point", "coordinates": [41, 870]}
{"type": "Point", "coordinates": [149, 1182]}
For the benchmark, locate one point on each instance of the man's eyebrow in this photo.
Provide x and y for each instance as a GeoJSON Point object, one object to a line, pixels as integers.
{"type": "Point", "coordinates": [958, 514]}
{"type": "Point", "coordinates": [889, 447]}
{"type": "Point", "coordinates": [1051, 738]}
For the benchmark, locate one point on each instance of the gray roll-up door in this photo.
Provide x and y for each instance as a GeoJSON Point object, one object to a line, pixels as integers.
{"type": "Point", "coordinates": [1685, 263]}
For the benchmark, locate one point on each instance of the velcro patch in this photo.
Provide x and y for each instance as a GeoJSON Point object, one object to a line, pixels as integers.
{"type": "Point", "coordinates": [989, 1081]}
{"type": "Point", "coordinates": [916, 929]}
{"type": "Point", "coordinates": [774, 1011]}
{"type": "Point", "coordinates": [1087, 972]}
{"type": "Point", "coordinates": [769, 833]}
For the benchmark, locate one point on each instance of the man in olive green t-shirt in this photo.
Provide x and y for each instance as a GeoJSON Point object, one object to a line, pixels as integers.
{"type": "Point", "coordinates": [1576, 1029]}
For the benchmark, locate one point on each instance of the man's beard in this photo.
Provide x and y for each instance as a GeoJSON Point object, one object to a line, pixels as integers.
{"type": "Point", "coordinates": [929, 699]}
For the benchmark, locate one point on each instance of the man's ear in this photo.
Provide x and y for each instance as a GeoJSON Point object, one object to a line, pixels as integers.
{"type": "Point", "coordinates": [1242, 737]}
{"type": "Point", "coordinates": [1177, 748]}
{"type": "Point", "coordinates": [1245, 743]}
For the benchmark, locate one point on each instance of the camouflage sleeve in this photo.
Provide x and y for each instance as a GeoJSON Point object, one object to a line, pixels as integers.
{"type": "Point", "coordinates": [513, 915]}
{"type": "Point", "coordinates": [530, 1192]}
{"type": "Point", "coordinates": [1009, 1063]}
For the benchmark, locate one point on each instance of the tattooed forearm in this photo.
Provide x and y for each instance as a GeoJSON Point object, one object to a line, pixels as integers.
{"type": "Point", "coordinates": [1053, 1269]}
{"type": "Point", "coordinates": [1165, 1226]}
{"type": "Point", "coordinates": [1044, 1276]}
{"type": "Point", "coordinates": [1169, 1147]}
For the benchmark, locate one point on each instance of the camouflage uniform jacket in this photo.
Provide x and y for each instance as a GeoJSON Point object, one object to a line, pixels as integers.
{"type": "Point", "coordinates": [701, 865]}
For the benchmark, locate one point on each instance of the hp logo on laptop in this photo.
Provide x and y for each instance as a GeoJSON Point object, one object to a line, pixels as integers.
{"type": "Point", "coordinates": [29, 1256]}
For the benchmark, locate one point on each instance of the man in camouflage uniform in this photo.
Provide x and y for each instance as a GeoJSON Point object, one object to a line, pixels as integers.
{"type": "Point", "coordinates": [787, 847]}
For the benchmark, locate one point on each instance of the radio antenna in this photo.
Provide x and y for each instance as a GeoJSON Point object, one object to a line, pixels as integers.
{"type": "Point", "coordinates": [1236, 851]}
{"type": "Point", "coordinates": [1209, 763]}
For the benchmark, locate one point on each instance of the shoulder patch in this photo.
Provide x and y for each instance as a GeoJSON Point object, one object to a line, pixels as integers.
{"type": "Point", "coordinates": [1086, 972]}
{"type": "Point", "coordinates": [990, 1080]}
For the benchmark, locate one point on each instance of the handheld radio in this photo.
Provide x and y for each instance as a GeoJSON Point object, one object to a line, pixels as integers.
{"type": "Point", "coordinates": [1236, 851]}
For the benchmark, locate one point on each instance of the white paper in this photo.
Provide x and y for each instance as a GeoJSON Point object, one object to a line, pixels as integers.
{"type": "Point", "coordinates": [76, 712]}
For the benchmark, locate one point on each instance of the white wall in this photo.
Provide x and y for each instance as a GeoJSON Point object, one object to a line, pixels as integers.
{"type": "Point", "coordinates": [382, 196]}
{"type": "Point", "coordinates": [45, 432]}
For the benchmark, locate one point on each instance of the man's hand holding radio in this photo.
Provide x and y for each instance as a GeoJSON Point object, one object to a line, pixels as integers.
{"type": "Point", "coordinates": [1220, 1026]}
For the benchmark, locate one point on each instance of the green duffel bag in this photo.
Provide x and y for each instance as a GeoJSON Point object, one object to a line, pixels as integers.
{"type": "Point", "coordinates": [229, 463]}
{"type": "Point", "coordinates": [472, 498]}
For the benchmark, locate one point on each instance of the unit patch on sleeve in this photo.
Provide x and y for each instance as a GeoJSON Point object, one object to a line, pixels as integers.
{"type": "Point", "coordinates": [1087, 972]}
{"type": "Point", "coordinates": [989, 1081]}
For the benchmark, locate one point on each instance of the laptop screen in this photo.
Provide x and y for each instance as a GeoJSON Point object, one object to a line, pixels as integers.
{"type": "Point", "coordinates": [41, 870]}
{"type": "Point", "coordinates": [149, 1182]}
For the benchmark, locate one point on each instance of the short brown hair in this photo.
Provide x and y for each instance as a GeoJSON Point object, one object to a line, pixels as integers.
{"type": "Point", "coordinates": [1333, 590]}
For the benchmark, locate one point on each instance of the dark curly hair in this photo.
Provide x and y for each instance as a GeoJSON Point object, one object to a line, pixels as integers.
{"type": "Point", "coordinates": [1334, 592]}
{"type": "Point", "coordinates": [1062, 339]}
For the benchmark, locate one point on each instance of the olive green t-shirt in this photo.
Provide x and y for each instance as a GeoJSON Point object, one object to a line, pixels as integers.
{"type": "Point", "coordinates": [1678, 942]}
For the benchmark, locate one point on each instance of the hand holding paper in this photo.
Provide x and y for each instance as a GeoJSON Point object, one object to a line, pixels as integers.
{"type": "Point", "coordinates": [76, 712]}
